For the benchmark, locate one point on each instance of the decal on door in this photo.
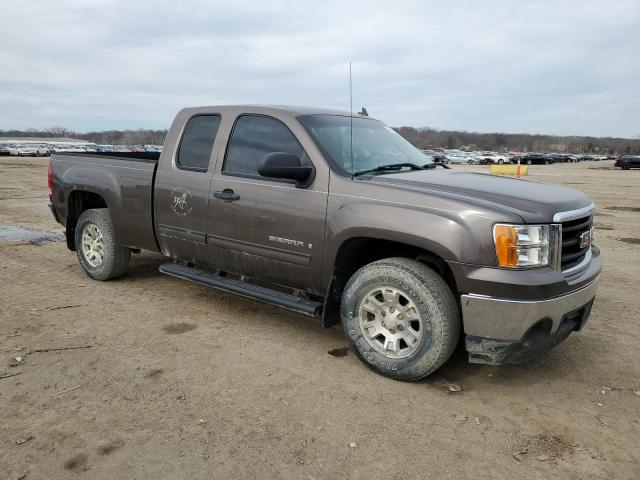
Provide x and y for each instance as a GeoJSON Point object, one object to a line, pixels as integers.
{"type": "Point", "coordinates": [181, 201]}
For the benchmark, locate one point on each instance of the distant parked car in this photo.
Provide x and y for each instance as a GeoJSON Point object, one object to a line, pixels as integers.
{"type": "Point", "coordinates": [67, 149]}
{"type": "Point", "coordinates": [460, 156]}
{"type": "Point", "coordinates": [104, 148]}
{"type": "Point", "coordinates": [535, 158]}
{"type": "Point", "coordinates": [626, 162]}
{"type": "Point", "coordinates": [494, 157]}
{"type": "Point", "coordinates": [26, 150]}
{"type": "Point", "coordinates": [559, 157]}
{"type": "Point", "coordinates": [42, 151]}
{"type": "Point", "coordinates": [13, 150]}
{"type": "Point", "coordinates": [4, 150]}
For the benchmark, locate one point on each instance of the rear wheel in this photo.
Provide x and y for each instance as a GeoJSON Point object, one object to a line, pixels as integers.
{"type": "Point", "coordinates": [99, 254]}
{"type": "Point", "coordinates": [625, 166]}
{"type": "Point", "coordinates": [401, 318]}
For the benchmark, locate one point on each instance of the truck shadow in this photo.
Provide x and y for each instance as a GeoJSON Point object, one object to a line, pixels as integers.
{"type": "Point", "coordinates": [563, 360]}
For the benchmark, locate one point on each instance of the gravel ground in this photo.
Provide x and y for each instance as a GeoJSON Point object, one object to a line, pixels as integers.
{"type": "Point", "coordinates": [174, 380]}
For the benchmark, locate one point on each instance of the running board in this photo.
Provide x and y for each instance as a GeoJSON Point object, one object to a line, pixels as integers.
{"type": "Point", "coordinates": [274, 297]}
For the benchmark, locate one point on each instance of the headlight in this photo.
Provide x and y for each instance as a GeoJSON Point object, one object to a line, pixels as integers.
{"type": "Point", "coordinates": [522, 245]}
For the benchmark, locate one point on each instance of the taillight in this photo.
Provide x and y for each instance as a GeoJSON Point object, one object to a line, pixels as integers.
{"type": "Point", "coordinates": [50, 181]}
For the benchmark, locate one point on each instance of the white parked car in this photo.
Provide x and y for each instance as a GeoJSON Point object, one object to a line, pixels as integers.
{"type": "Point", "coordinates": [494, 157]}
{"type": "Point", "coordinates": [67, 149]}
{"type": "Point", "coordinates": [24, 150]}
{"type": "Point", "coordinates": [13, 150]}
{"type": "Point", "coordinates": [459, 157]}
{"type": "Point", "coordinates": [42, 151]}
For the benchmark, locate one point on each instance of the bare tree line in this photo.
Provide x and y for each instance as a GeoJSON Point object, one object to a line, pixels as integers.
{"type": "Point", "coordinates": [423, 138]}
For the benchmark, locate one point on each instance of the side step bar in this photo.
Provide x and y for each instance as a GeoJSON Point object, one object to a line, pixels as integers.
{"type": "Point", "coordinates": [274, 297]}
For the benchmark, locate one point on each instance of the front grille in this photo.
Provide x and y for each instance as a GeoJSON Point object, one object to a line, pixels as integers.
{"type": "Point", "coordinates": [572, 254]}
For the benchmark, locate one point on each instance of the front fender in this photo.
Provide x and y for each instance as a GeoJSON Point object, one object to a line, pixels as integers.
{"type": "Point", "coordinates": [449, 235]}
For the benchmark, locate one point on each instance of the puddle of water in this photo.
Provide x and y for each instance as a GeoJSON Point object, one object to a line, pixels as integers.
{"type": "Point", "coordinates": [625, 209]}
{"type": "Point", "coordinates": [178, 328]}
{"type": "Point", "coordinates": [31, 235]}
{"type": "Point", "coordinates": [339, 352]}
{"type": "Point", "coordinates": [632, 241]}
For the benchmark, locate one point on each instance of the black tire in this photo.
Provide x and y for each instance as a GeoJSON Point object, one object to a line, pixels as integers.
{"type": "Point", "coordinates": [500, 162]}
{"type": "Point", "coordinates": [529, 162]}
{"type": "Point", "coordinates": [116, 257]}
{"type": "Point", "coordinates": [625, 166]}
{"type": "Point", "coordinates": [433, 300]}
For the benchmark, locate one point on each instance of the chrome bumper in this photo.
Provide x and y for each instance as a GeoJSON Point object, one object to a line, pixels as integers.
{"type": "Point", "coordinates": [506, 319]}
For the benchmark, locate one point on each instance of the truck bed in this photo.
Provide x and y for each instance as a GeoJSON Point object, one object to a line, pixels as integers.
{"type": "Point", "coordinates": [124, 181]}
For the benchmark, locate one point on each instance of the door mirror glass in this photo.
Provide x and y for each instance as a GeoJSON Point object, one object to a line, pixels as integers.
{"type": "Point", "coordinates": [284, 165]}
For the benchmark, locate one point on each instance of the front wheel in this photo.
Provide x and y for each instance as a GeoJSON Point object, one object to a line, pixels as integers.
{"type": "Point", "coordinates": [99, 254]}
{"type": "Point", "coordinates": [401, 318]}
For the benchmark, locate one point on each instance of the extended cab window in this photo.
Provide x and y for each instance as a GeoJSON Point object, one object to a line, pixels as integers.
{"type": "Point", "coordinates": [253, 137]}
{"type": "Point", "coordinates": [197, 142]}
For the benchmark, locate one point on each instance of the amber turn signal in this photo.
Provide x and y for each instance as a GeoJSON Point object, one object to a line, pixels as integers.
{"type": "Point", "coordinates": [506, 238]}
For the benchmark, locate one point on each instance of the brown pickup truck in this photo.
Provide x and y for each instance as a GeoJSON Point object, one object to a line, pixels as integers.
{"type": "Point", "coordinates": [335, 215]}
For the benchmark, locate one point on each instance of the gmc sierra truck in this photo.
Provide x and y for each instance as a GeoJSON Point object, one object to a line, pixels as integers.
{"type": "Point", "coordinates": [335, 215]}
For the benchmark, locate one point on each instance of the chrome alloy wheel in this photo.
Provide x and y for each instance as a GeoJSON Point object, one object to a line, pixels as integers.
{"type": "Point", "coordinates": [390, 322]}
{"type": "Point", "coordinates": [92, 245]}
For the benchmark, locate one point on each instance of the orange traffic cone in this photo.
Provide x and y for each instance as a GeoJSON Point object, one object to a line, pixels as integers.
{"type": "Point", "coordinates": [518, 169]}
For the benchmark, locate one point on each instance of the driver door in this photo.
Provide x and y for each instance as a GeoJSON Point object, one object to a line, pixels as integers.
{"type": "Point", "coordinates": [262, 227]}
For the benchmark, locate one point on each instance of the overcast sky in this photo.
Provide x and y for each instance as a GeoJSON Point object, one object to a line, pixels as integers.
{"type": "Point", "coordinates": [558, 67]}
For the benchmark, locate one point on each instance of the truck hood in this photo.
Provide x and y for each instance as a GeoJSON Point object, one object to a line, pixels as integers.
{"type": "Point", "coordinates": [535, 202]}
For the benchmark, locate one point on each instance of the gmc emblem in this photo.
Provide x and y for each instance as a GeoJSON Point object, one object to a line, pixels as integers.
{"type": "Point", "coordinates": [586, 238]}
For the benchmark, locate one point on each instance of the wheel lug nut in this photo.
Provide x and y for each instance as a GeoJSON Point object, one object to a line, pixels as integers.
{"type": "Point", "coordinates": [400, 328]}
{"type": "Point", "coordinates": [392, 331]}
{"type": "Point", "coordinates": [400, 317]}
{"type": "Point", "coordinates": [391, 309]}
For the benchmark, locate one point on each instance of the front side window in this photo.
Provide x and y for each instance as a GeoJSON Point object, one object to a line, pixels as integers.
{"type": "Point", "coordinates": [360, 144]}
{"type": "Point", "coordinates": [197, 143]}
{"type": "Point", "coordinates": [254, 137]}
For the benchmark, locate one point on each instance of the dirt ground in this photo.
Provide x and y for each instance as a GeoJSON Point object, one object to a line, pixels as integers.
{"type": "Point", "coordinates": [182, 381]}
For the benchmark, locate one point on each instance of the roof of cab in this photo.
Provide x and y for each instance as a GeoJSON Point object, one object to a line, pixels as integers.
{"type": "Point", "coordinates": [292, 110]}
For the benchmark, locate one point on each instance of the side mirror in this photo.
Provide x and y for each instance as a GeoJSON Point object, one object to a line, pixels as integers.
{"type": "Point", "coordinates": [284, 165]}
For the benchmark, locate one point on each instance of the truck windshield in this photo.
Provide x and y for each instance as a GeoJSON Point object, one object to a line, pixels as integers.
{"type": "Point", "coordinates": [374, 144]}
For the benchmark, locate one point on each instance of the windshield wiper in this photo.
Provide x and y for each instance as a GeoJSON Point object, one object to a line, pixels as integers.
{"type": "Point", "coordinates": [435, 164]}
{"type": "Point", "coordinates": [390, 167]}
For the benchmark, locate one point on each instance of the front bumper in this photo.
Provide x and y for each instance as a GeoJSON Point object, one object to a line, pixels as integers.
{"type": "Point", "coordinates": [500, 330]}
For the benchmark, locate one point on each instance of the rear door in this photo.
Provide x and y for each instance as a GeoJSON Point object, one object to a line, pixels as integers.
{"type": "Point", "coordinates": [263, 227]}
{"type": "Point", "coordinates": [182, 188]}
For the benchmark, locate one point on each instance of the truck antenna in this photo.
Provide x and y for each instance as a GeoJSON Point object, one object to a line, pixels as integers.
{"type": "Point", "coordinates": [351, 117]}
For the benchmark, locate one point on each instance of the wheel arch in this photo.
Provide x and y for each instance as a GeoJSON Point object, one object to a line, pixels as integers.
{"type": "Point", "coordinates": [359, 251]}
{"type": "Point", "coordinates": [78, 202]}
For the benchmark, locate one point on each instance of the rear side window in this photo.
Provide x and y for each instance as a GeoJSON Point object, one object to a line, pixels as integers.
{"type": "Point", "coordinates": [197, 142]}
{"type": "Point", "coordinates": [253, 137]}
